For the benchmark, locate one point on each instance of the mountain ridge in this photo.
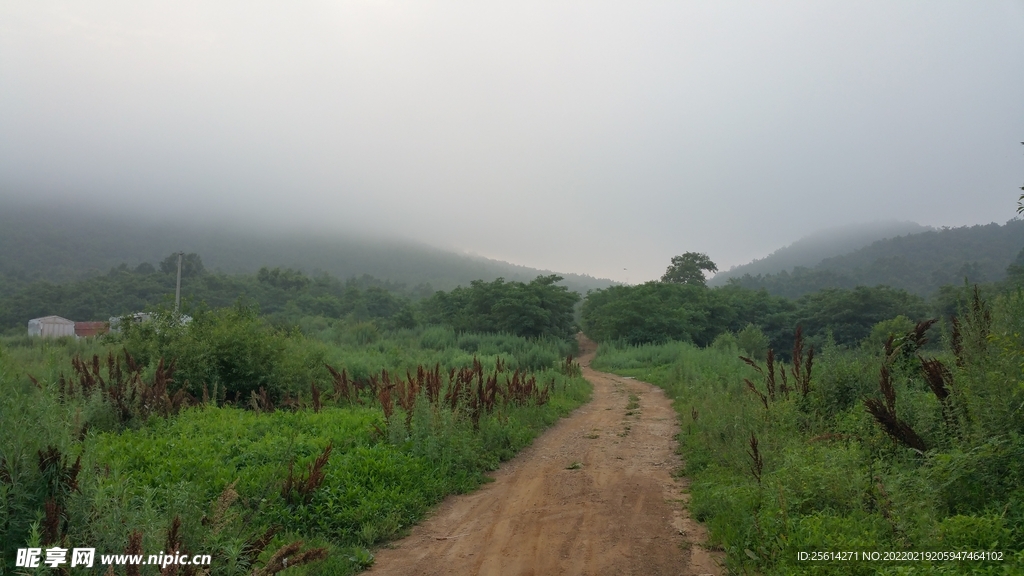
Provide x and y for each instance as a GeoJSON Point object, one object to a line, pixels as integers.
{"type": "Point", "coordinates": [920, 263]}
{"type": "Point", "coordinates": [812, 249]}
{"type": "Point", "coordinates": [62, 245]}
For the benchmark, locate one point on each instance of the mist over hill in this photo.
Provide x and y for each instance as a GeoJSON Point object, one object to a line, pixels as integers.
{"type": "Point", "coordinates": [920, 263]}
{"type": "Point", "coordinates": [62, 245]}
{"type": "Point", "coordinates": [810, 250]}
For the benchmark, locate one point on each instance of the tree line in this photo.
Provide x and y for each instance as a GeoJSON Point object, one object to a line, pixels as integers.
{"type": "Point", "coordinates": [681, 307]}
{"type": "Point", "coordinates": [678, 307]}
{"type": "Point", "coordinates": [284, 296]}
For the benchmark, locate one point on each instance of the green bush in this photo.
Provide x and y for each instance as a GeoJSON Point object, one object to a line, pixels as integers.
{"type": "Point", "coordinates": [988, 532]}
{"type": "Point", "coordinates": [233, 351]}
{"type": "Point", "coordinates": [437, 338]}
{"type": "Point", "coordinates": [752, 341]}
{"type": "Point", "coordinates": [726, 342]}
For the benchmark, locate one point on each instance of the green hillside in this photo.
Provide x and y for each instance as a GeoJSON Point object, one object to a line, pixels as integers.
{"type": "Point", "coordinates": [918, 263]}
{"type": "Point", "coordinates": [61, 245]}
{"type": "Point", "coordinates": [812, 249]}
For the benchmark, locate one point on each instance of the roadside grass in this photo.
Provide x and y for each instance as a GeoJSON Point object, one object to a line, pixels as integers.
{"type": "Point", "coordinates": [340, 472]}
{"type": "Point", "coordinates": [819, 472]}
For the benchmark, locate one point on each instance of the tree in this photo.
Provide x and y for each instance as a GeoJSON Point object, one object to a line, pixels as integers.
{"type": "Point", "coordinates": [647, 313]}
{"type": "Point", "coordinates": [689, 269]}
{"type": "Point", "coordinates": [753, 342]}
{"type": "Point", "coordinates": [286, 279]}
{"type": "Point", "coordinates": [191, 265]}
{"type": "Point", "coordinates": [851, 314]}
{"type": "Point", "coordinates": [539, 308]}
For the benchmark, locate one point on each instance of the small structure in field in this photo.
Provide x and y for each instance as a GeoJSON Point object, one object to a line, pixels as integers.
{"type": "Point", "coordinates": [51, 327]}
{"type": "Point", "coordinates": [136, 318]}
{"type": "Point", "coordinates": [86, 329]}
{"type": "Point", "coordinates": [114, 325]}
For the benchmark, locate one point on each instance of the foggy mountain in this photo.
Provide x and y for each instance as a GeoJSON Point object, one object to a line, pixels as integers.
{"type": "Point", "coordinates": [919, 263]}
{"type": "Point", "coordinates": [810, 250]}
{"type": "Point", "coordinates": [61, 245]}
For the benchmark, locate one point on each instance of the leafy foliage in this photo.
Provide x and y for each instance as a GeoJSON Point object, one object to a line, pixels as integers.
{"type": "Point", "coordinates": [851, 314]}
{"type": "Point", "coordinates": [231, 352]}
{"type": "Point", "coordinates": [284, 296]}
{"type": "Point", "coordinates": [539, 308]}
{"type": "Point", "coordinates": [191, 266]}
{"type": "Point", "coordinates": [689, 268]}
{"type": "Point", "coordinates": [658, 312]}
{"type": "Point", "coordinates": [650, 312]}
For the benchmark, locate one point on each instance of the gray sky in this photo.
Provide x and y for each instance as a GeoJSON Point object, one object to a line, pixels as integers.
{"type": "Point", "coordinates": [577, 136]}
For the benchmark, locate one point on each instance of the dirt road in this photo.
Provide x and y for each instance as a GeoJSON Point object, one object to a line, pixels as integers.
{"type": "Point", "coordinates": [594, 495]}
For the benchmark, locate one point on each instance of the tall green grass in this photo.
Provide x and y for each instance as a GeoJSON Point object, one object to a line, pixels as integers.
{"type": "Point", "coordinates": [819, 473]}
{"type": "Point", "coordinates": [221, 468]}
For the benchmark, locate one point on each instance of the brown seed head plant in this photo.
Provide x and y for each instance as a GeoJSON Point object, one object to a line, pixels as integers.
{"type": "Point", "coordinates": [344, 389]}
{"type": "Point", "coordinates": [756, 461]}
{"type": "Point", "coordinates": [802, 375]}
{"type": "Point", "coordinates": [288, 556]}
{"type": "Point", "coordinates": [125, 390]}
{"type": "Point", "coordinates": [315, 393]}
{"type": "Point", "coordinates": [134, 549]}
{"type": "Point", "coordinates": [885, 414]}
{"type": "Point", "coordinates": [301, 488]}
{"type": "Point", "coordinates": [775, 389]}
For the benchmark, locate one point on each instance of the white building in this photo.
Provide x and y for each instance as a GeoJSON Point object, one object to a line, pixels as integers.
{"type": "Point", "coordinates": [51, 327]}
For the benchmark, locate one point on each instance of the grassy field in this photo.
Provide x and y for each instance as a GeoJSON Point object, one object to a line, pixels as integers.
{"type": "Point", "coordinates": [858, 450]}
{"type": "Point", "coordinates": [339, 436]}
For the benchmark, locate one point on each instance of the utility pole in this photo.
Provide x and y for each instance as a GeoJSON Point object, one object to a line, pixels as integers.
{"type": "Point", "coordinates": [177, 289]}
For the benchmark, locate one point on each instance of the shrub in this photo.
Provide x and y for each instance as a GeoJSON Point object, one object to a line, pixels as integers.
{"type": "Point", "coordinates": [752, 341]}
{"type": "Point", "coordinates": [232, 350]}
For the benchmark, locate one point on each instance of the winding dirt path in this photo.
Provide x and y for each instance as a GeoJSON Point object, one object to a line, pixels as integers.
{"type": "Point", "coordinates": [593, 495]}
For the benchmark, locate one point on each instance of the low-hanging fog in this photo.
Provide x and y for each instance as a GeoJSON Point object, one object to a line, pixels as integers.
{"type": "Point", "coordinates": [590, 137]}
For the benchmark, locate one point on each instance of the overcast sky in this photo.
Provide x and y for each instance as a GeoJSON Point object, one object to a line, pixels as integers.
{"type": "Point", "coordinates": [590, 137]}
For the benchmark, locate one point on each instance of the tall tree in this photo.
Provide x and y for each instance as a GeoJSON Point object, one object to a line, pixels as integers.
{"type": "Point", "coordinates": [689, 269]}
{"type": "Point", "coordinates": [191, 265]}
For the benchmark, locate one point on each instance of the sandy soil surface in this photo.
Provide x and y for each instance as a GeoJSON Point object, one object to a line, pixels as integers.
{"type": "Point", "coordinates": [594, 495]}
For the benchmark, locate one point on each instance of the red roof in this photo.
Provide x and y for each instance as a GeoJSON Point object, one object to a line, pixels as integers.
{"type": "Point", "coordinates": [83, 329]}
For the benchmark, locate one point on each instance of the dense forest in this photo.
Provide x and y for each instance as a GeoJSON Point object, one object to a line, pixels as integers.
{"type": "Point", "coordinates": [284, 295]}
{"type": "Point", "coordinates": [682, 307]}
{"type": "Point", "coordinates": [659, 312]}
{"type": "Point", "coordinates": [919, 263]}
{"type": "Point", "coordinates": [288, 298]}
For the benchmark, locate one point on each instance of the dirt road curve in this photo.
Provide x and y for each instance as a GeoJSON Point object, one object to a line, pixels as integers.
{"type": "Point", "coordinates": [594, 495]}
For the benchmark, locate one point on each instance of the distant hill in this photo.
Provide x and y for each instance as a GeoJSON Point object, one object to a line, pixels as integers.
{"type": "Point", "coordinates": [60, 246]}
{"type": "Point", "coordinates": [810, 250]}
{"type": "Point", "coordinates": [919, 263]}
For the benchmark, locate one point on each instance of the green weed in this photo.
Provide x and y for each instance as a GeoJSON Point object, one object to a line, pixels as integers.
{"type": "Point", "coordinates": [775, 472]}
